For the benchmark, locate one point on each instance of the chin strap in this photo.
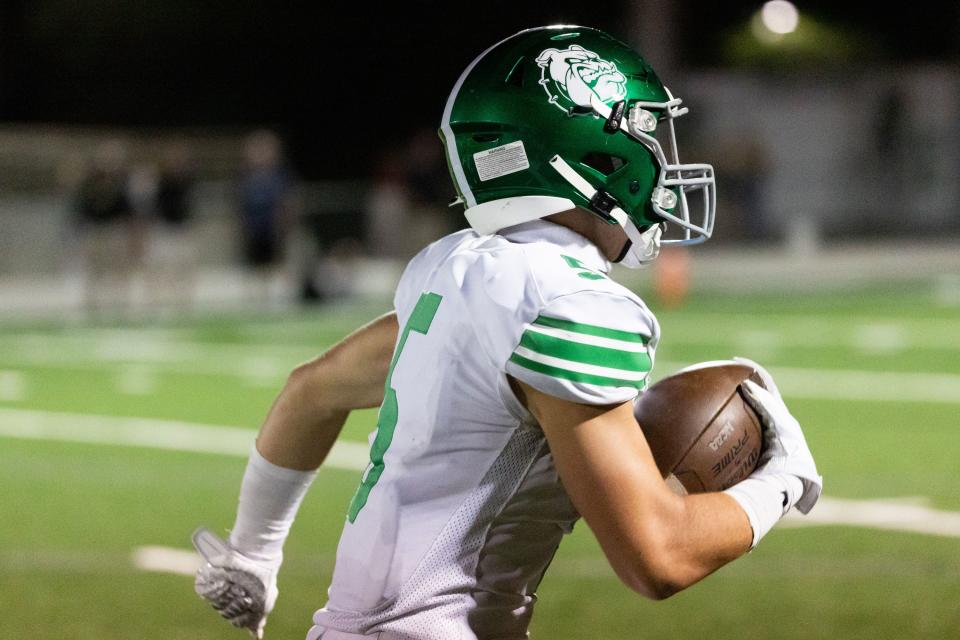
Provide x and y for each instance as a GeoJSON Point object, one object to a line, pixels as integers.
{"type": "Point", "coordinates": [644, 250]}
{"type": "Point", "coordinates": [645, 246]}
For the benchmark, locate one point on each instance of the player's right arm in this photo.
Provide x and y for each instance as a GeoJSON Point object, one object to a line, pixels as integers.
{"type": "Point", "coordinates": [307, 416]}
{"type": "Point", "coordinates": [656, 541]}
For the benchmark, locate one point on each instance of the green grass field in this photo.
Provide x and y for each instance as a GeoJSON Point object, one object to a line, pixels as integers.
{"type": "Point", "coordinates": [873, 376]}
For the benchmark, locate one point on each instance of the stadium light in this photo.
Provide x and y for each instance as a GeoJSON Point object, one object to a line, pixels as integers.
{"type": "Point", "coordinates": [776, 19]}
{"type": "Point", "coordinates": [780, 17]}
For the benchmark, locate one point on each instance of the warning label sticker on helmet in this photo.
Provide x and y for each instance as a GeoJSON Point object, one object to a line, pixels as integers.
{"type": "Point", "coordinates": [500, 161]}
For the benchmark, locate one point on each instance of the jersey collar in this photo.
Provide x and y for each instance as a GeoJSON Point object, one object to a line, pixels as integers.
{"type": "Point", "coordinates": [569, 242]}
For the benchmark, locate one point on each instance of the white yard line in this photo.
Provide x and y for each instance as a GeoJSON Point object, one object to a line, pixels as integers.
{"type": "Point", "coordinates": [860, 334]}
{"type": "Point", "coordinates": [166, 560]}
{"type": "Point", "coordinates": [265, 365]}
{"type": "Point", "coordinates": [899, 514]}
{"type": "Point", "coordinates": [847, 384]}
{"type": "Point", "coordinates": [894, 515]}
{"type": "Point", "coordinates": [834, 384]}
{"type": "Point", "coordinates": [185, 562]}
{"type": "Point", "coordinates": [866, 335]}
{"type": "Point", "coordinates": [135, 380]}
{"type": "Point", "coordinates": [154, 434]}
{"type": "Point", "coordinates": [868, 385]}
{"type": "Point", "coordinates": [174, 357]}
{"type": "Point", "coordinates": [152, 558]}
{"type": "Point", "coordinates": [890, 515]}
{"type": "Point", "coordinates": [13, 386]}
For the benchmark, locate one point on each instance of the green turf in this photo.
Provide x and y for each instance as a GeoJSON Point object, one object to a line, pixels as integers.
{"type": "Point", "coordinates": [73, 513]}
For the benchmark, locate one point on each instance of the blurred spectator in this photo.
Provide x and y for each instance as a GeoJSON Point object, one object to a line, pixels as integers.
{"type": "Point", "coordinates": [744, 171]}
{"type": "Point", "coordinates": [266, 210]}
{"type": "Point", "coordinates": [430, 189]}
{"type": "Point", "coordinates": [172, 255]}
{"type": "Point", "coordinates": [411, 191]}
{"type": "Point", "coordinates": [891, 155]}
{"type": "Point", "coordinates": [889, 124]}
{"type": "Point", "coordinates": [388, 208]}
{"type": "Point", "coordinates": [110, 234]}
{"type": "Point", "coordinates": [426, 171]}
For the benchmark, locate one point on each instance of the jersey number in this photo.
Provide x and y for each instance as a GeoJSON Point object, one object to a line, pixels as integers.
{"type": "Point", "coordinates": [419, 321]}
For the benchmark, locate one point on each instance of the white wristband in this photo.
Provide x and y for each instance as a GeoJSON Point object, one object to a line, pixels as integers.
{"type": "Point", "coordinates": [765, 498]}
{"type": "Point", "coordinates": [270, 496]}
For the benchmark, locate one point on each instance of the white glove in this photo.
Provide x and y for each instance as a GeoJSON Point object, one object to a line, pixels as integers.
{"type": "Point", "coordinates": [785, 448]}
{"type": "Point", "coordinates": [242, 590]}
{"type": "Point", "coordinates": [765, 378]}
{"type": "Point", "coordinates": [786, 475]}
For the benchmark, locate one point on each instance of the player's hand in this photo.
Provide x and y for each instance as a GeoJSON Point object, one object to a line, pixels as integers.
{"type": "Point", "coordinates": [785, 448]}
{"type": "Point", "coordinates": [762, 373]}
{"type": "Point", "coordinates": [242, 590]}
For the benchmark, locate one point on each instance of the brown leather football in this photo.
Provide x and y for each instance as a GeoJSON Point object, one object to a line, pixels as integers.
{"type": "Point", "coordinates": [700, 428]}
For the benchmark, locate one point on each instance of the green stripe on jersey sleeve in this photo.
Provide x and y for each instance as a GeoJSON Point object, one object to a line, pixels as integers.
{"type": "Point", "coordinates": [575, 376]}
{"type": "Point", "coordinates": [590, 330]}
{"type": "Point", "coordinates": [633, 361]}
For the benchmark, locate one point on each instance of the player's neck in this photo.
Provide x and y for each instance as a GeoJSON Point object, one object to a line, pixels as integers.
{"type": "Point", "coordinates": [608, 238]}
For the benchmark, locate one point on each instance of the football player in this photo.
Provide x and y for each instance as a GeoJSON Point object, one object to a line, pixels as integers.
{"type": "Point", "coordinates": [506, 375]}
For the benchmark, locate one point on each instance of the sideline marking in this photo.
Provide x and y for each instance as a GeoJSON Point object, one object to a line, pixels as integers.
{"type": "Point", "coordinates": [894, 515]}
{"type": "Point", "coordinates": [138, 380]}
{"type": "Point", "coordinates": [848, 384]}
{"type": "Point", "coordinates": [155, 434]}
{"type": "Point", "coordinates": [907, 515]}
{"type": "Point", "coordinates": [166, 560]}
{"type": "Point", "coordinates": [13, 386]}
{"type": "Point", "coordinates": [829, 384]}
{"type": "Point", "coordinates": [266, 366]}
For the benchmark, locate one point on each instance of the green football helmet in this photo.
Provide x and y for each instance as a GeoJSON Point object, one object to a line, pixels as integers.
{"type": "Point", "coordinates": [559, 117]}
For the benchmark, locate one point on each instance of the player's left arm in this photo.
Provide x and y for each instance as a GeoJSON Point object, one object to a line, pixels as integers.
{"type": "Point", "coordinates": [239, 578]}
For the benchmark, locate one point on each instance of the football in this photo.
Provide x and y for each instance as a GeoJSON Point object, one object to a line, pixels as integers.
{"type": "Point", "coordinates": [703, 434]}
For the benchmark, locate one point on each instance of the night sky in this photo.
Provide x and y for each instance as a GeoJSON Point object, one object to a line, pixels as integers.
{"type": "Point", "coordinates": [337, 79]}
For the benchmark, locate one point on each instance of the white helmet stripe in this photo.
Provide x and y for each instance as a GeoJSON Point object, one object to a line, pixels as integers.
{"type": "Point", "coordinates": [448, 136]}
{"type": "Point", "coordinates": [451, 141]}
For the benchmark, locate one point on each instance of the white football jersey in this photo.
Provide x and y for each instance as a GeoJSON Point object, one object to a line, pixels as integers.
{"type": "Point", "coordinates": [460, 510]}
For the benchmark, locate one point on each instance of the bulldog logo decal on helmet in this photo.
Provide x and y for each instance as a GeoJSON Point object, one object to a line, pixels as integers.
{"type": "Point", "coordinates": [575, 77]}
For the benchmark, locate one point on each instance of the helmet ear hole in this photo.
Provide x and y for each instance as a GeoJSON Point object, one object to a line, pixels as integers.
{"type": "Point", "coordinates": [484, 138]}
{"type": "Point", "coordinates": [603, 163]}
